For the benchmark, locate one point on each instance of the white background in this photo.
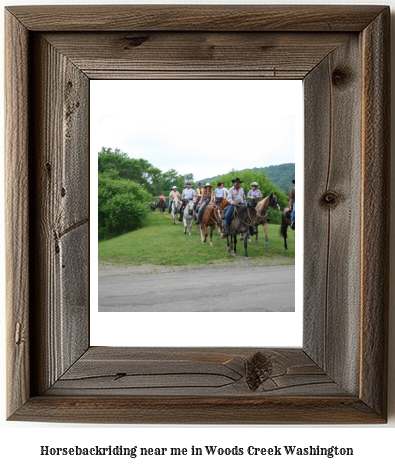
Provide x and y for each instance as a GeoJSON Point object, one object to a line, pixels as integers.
{"type": "Point", "coordinates": [19, 442]}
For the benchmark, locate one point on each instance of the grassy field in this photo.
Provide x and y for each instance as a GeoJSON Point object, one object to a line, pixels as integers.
{"type": "Point", "coordinates": [159, 242]}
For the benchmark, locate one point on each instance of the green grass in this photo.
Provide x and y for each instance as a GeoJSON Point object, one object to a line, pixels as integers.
{"type": "Point", "coordinates": [159, 242]}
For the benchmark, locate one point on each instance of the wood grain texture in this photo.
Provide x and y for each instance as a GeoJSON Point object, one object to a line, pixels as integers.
{"type": "Point", "coordinates": [376, 200]}
{"type": "Point", "coordinates": [211, 372]}
{"type": "Point", "coordinates": [332, 155]}
{"type": "Point", "coordinates": [196, 54]}
{"type": "Point", "coordinates": [198, 410]}
{"type": "Point", "coordinates": [196, 17]}
{"type": "Point", "coordinates": [340, 374]}
{"type": "Point", "coordinates": [60, 123]}
{"type": "Point", "coordinates": [17, 191]}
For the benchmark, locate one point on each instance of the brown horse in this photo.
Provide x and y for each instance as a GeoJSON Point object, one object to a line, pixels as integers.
{"type": "Point", "coordinates": [161, 206]}
{"type": "Point", "coordinates": [262, 211]}
{"type": "Point", "coordinates": [211, 218]}
{"type": "Point", "coordinates": [285, 222]}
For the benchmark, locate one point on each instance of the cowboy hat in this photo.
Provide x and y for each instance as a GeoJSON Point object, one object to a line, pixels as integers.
{"type": "Point", "coordinates": [174, 187]}
{"type": "Point", "coordinates": [208, 184]}
{"type": "Point", "coordinates": [237, 180]}
{"type": "Point", "coordinates": [254, 184]}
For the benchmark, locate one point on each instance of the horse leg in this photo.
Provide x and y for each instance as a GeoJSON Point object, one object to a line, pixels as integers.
{"type": "Point", "coordinates": [245, 246]}
{"type": "Point", "coordinates": [266, 237]}
{"type": "Point", "coordinates": [185, 226]}
{"type": "Point", "coordinates": [285, 238]}
{"type": "Point", "coordinates": [212, 227]}
{"type": "Point", "coordinates": [235, 243]}
{"type": "Point", "coordinates": [203, 232]}
{"type": "Point", "coordinates": [227, 242]}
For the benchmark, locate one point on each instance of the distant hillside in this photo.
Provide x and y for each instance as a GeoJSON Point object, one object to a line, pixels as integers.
{"type": "Point", "coordinates": [281, 175]}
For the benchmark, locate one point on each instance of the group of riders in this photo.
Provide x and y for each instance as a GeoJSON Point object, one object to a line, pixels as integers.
{"type": "Point", "coordinates": [235, 196]}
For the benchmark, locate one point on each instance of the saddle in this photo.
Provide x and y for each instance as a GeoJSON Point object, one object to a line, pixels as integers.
{"type": "Point", "coordinates": [223, 213]}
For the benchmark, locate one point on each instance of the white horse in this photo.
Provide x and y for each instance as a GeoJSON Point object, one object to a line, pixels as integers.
{"type": "Point", "coordinates": [188, 217]}
{"type": "Point", "coordinates": [175, 210]}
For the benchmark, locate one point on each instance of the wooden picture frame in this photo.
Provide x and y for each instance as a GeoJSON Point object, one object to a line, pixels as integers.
{"type": "Point", "coordinates": [340, 373]}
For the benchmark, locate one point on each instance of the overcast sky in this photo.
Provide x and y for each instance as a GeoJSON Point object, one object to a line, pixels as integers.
{"type": "Point", "coordinates": [204, 127]}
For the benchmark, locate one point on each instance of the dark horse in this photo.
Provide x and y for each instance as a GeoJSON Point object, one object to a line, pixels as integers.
{"type": "Point", "coordinates": [161, 206]}
{"type": "Point", "coordinates": [244, 219]}
{"type": "Point", "coordinates": [285, 221]}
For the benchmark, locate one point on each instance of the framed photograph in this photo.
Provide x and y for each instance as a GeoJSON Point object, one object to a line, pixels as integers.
{"type": "Point", "coordinates": [339, 375]}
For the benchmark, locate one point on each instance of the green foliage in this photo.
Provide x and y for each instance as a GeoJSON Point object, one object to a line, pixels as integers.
{"type": "Point", "coordinates": [122, 204]}
{"type": "Point", "coordinates": [169, 179]}
{"type": "Point", "coordinates": [281, 175]}
{"type": "Point", "coordinates": [138, 170]}
{"type": "Point", "coordinates": [265, 185]}
{"type": "Point", "coordinates": [141, 171]}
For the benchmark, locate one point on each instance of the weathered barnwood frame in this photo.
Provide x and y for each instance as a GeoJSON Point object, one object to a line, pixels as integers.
{"type": "Point", "coordinates": [342, 55]}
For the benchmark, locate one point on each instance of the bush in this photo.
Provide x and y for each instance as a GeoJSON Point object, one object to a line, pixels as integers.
{"type": "Point", "coordinates": [122, 204]}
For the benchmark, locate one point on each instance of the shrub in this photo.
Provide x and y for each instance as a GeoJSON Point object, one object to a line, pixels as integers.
{"type": "Point", "coordinates": [122, 204]}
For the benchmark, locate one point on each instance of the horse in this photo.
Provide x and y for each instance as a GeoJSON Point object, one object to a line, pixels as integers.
{"type": "Point", "coordinates": [175, 210]}
{"type": "Point", "coordinates": [262, 211]}
{"type": "Point", "coordinates": [184, 203]}
{"type": "Point", "coordinates": [285, 221]}
{"type": "Point", "coordinates": [161, 206]}
{"type": "Point", "coordinates": [152, 205]}
{"type": "Point", "coordinates": [211, 218]}
{"type": "Point", "coordinates": [244, 218]}
{"type": "Point", "coordinates": [188, 216]}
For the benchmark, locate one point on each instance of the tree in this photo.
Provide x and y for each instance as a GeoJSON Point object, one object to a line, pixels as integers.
{"type": "Point", "coordinates": [171, 178]}
{"type": "Point", "coordinates": [138, 170]}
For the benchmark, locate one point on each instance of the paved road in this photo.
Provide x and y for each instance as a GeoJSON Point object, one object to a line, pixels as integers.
{"type": "Point", "coordinates": [256, 289]}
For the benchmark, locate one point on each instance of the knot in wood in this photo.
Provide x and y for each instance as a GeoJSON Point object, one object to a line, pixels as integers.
{"type": "Point", "coordinates": [135, 41]}
{"type": "Point", "coordinates": [330, 199]}
{"type": "Point", "coordinates": [339, 77]}
{"type": "Point", "coordinates": [259, 369]}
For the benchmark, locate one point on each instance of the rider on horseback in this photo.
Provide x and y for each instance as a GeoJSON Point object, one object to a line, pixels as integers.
{"type": "Point", "coordinates": [187, 195]}
{"type": "Point", "coordinates": [254, 194]}
{"type": "Point", "coordinates": [174, 194]}
{"type": "Point", "coordinates": [207, 197]}
{"type": "Point", "coordinates": [236, 197]}
{"type": "Point", "coordinates": [219, 194]}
